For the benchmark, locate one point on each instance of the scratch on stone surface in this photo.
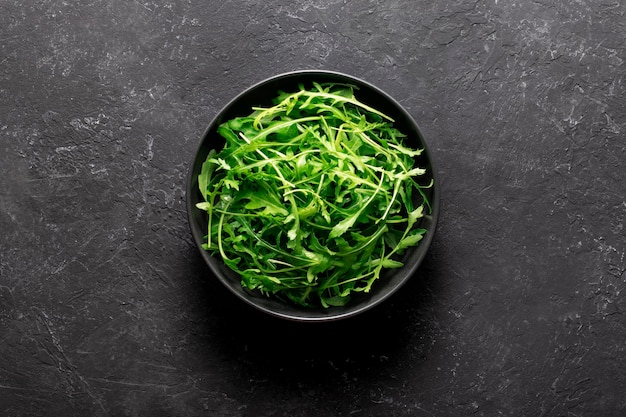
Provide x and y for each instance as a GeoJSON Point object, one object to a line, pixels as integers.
{"type": "Point", "coordinates": [63, 361]}
{"type": "Point", "coordinates": [149, 152]}
{"type": "Point", "coordinates": [36, 390]}
{"type": "Point", "coordinates": [144, 385]}
{"type": "Point", "coordinates": [612, 125]}
{"type": "Point", "coordinates": [145, 6]}
{"type": "Point", "coordinates": [7, 300]}
{"type": "Point", "coordinates": [573, 122]}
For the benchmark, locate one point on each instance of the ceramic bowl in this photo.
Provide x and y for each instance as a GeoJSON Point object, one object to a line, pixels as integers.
{"type": "Point", "coordinates": [262, 94]}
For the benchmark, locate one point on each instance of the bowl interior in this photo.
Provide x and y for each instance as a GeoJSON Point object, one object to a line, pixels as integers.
{"type": "Point", "coordinates": [262, 94]}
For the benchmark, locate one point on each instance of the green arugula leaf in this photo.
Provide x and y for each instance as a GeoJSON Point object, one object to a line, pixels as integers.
{"type": "Point", "coordinates": [269, 206]}
{"type": "Point", "coordinates": [410, 240]}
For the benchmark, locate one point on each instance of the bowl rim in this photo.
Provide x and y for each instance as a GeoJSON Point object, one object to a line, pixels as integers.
{"type": "Point", "coordinates": [215, 265]}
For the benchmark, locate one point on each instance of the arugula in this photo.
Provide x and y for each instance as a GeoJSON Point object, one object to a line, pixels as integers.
{"type": "Point", "coordinates": [310, 199]}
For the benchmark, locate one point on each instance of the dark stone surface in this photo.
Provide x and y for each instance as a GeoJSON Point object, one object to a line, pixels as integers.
{"type": "Point", "coordinates": [106, 308]}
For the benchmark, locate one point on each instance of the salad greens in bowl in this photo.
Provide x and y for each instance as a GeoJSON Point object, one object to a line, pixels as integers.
{"type": "Point", "coordinates": [312, 196]}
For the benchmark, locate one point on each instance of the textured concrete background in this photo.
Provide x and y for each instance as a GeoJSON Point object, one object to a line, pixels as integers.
{"type": "Point", "coordinates": [106, 308]}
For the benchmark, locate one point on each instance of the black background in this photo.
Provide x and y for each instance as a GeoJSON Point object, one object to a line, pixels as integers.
{"type": "Point", "coordinates": [107, 309]}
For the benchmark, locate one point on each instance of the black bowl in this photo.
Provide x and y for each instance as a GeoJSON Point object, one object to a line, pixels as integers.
{"type": "Point", "coordinates": [262, 94]}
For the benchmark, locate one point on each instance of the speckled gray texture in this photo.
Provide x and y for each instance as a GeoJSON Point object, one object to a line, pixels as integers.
{"type": "Point", "coordinates": [106, 308]}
